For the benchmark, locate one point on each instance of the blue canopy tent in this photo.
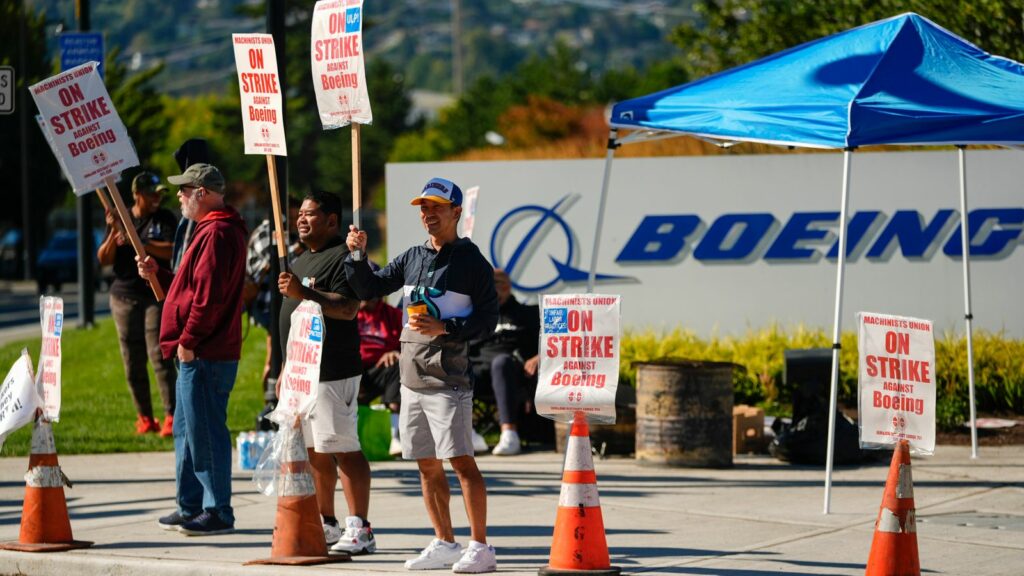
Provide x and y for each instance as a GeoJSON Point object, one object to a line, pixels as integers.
{"type": "Point", "coordinates": [904, 80]}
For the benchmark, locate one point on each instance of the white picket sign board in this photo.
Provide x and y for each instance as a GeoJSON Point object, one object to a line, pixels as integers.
{"type": "Point", "coordinates": [896, 382]}
{"type": "Point", "coordinates": [301, 372]}
{"type": "Point", "coordinates": [83, 128]}
{"type": "Point", "coordinates": [338, 66]}
{"type": "Point", "coordinates": [469, 201]}
{"type": "Point", "coordinates": [18, 397]}
{"type": "Point", "coordinates": [48, 374]}
{"type": "Point", "coordinates": [579, 356]}
{"type": "Point", "coordinates": [260, 89]}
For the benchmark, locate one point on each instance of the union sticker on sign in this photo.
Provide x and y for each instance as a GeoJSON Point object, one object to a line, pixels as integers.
{"type": "Point", "coordinates": [260, 89]}
{"type": "Point", "coordinates": [579, 357]}
{"type": "Point", "coordinates": [336, 56]}
{"type": "Point", "coordinates": [896, 399]}
{"type": "Point", "coordinates": [88, 137]}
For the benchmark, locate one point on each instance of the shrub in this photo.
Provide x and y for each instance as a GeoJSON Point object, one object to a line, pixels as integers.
{"type": "Point", "coordinates": [998, 366]}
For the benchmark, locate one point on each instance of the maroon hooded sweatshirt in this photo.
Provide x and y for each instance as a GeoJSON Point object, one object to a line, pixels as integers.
{"type": "Point", "coordinates": [203, 309]}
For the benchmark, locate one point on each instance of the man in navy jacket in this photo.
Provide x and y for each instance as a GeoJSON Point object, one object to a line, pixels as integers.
{"type": "Point", "coordinates": [449, 300]}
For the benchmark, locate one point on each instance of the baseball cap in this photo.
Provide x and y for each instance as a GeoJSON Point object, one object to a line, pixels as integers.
{"type": "Point", "coordinates": [145, 182]}
{"type": "Point", "coordinates": [162, 189]}
{"type": "Point", "coordinates": [200, 175]}
{"type": "Point", "coordinates": [439, 190]}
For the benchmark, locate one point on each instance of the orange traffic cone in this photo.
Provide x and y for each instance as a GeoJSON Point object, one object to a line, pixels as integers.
{"type": "Point", "coordinates": [579, 545]}
{"type": "Point", "coordinates": [298, 533]}
{"type": "Point", "coordinates": [45, 526]}
{"type": "Point", "coordinates": [894, 547]}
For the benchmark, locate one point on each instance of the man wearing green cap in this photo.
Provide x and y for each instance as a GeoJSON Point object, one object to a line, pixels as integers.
{"type": "Point", "coordinates": [135, 310]}
{"type": "Point", "coordinates": [202, 329]}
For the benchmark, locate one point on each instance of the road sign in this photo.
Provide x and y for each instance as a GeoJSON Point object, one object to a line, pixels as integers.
{"type": "Point", "coordinates": [6, 90]}
{"type": "Point", "coordinates": [77, 48]}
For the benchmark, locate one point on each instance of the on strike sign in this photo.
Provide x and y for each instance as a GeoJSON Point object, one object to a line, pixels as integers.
{"type": "Point", "coordinates": [896, 382]}
{"type": "Point", "coordinates": [302, 366]}
{"type": "Point", "coordinates": [579, 357]}
{"type": "Point", "coordinates": [18, 397]}
{"type": "Point", "coordinates": [336, 55]}
{"type": "Point", "coordinates": [48, 375]}
{"type": "Point", "coordinates": [262, 120]}
{"type": "Point", "coordinates": [86, 133]}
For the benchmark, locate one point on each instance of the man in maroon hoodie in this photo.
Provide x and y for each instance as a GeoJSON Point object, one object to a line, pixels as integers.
{"type": "Point", "coordinates": [201, 327]}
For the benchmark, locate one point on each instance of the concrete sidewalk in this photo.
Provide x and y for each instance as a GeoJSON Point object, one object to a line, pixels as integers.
{"type": "Point", "coordinates": [760, 517]}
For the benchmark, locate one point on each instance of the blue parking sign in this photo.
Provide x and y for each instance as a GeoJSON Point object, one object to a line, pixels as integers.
{"type": "Point", "coordinates": [77, 48]}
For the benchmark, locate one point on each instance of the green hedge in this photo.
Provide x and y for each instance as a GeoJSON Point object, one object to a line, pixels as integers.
{"type": "Point", "coordinates": [998, 366]}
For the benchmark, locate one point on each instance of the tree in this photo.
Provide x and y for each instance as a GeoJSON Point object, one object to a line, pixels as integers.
{"type": "Point", "coordinates": [46, 188]}
{"type": "Point", "coordinates": [733, 32]}
{"type": "Point", "coordinates": [138, 104]}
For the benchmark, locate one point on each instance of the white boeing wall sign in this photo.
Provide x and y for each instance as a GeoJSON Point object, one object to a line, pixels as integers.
{"type": "Point", "coordinates": [720, 245]}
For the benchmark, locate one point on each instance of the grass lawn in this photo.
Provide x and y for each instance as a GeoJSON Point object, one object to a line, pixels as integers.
{"type": "Point", "coordinates": [97, 414]}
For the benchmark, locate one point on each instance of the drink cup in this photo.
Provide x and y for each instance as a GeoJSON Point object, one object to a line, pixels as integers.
{"type": "Point", "coordinates": [415, 309]}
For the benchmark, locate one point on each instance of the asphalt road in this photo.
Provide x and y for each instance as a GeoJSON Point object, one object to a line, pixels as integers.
{"type": "Point", "coordinates": [19, 308]}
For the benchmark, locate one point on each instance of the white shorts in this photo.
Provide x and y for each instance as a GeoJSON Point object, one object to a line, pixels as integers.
{"type": "Point", "coordinates": [333, 424]}
{"type": "Point", "coordinates": [436, 423]}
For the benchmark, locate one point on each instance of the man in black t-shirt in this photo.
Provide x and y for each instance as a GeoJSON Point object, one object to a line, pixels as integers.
{"type": "Point", "coordinates": [132, 303]}
{"type": "Point", "coordinates": [331, 432]}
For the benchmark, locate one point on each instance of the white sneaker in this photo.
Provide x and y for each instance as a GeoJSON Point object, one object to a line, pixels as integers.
{"type": "Point", "coordinates": [477, 558]}
{"type": "Point", "coordinates": [508, 444]}
{"type": "Point", "coordinates": [438, 554]}
{"type": "Point", "coordinates": [332, 533]}
{"type": "Point", "coordinates": [395, 449]}
{"type": "Point", "coordinates": [479, 444]}
{"type": "Point", "coordinates": [357, 539]}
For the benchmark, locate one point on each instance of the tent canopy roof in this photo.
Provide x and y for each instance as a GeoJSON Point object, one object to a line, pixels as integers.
{"type": "Point", "coordinates": [903, 80]}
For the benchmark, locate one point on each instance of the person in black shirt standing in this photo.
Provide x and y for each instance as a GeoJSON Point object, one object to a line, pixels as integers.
{"type": "Point", "coordinates": [507, 359]}
{"type": "Point", "coordinates": [135, 309]}
{"type": "Point", "coordinates": [331, 432]}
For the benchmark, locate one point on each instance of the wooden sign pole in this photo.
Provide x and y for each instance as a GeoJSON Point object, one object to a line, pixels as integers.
{"type": "Point", "coordinates": [357, 184]}
{"type": "Point", "coordinates": [275, 200]}
{"type": "Point", "coordinates": [133, 236]}
{"type": "Point", "coordinates": [102, 195]}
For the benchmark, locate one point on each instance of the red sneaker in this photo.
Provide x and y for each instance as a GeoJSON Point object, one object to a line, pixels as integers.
{"type": "Point", "coordinates": [146, 424]}
{"type": "Point", "coordinates": [168, 428]}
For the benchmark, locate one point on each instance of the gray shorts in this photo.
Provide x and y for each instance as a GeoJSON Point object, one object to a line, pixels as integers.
{"type": "Point", "coordinates": [436, 423]}
{"type": "Point", "coordinates": [333, 425]}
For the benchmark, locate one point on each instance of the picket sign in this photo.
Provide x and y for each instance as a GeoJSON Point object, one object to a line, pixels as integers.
{"type": "Point", "coordinates": [263, 114]}
{"type": "Point", "coordinates": [339, 78]}
{"type": "Point", "coordinates": [896, 382]}
{"type": "Point", "coordinates": [89, 139]}
{"type": "Point", "coordinates": [48, 373]}
{"type": "Point", "coordinates": [301, 372]}
{"type": "Point", "coordinates": [579, 357]}
{"type": "Point", "coordinates": [469, 211]}
{"type": "Point", "coordinates": [18, 397]}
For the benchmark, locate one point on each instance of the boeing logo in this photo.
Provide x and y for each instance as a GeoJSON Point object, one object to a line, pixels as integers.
{"type": "Point", "coordinates": [742, 238]}
{"type": "Point", "coordinates": [531, 225]}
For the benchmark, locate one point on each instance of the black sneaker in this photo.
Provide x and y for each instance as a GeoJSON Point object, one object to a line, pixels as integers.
{"type": "Point", "coordinates": [206, 524]}
{"type": "Point", "coordinates": [174, 520]}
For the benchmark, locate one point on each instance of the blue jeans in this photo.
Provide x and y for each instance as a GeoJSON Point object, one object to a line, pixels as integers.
{"type": "Point", "coordinates": [202, 443]}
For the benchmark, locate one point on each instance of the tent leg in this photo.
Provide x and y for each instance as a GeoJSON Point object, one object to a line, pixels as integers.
{"type": "Point", "coordinates": [965, 242]}
{"type": "Point", "coordinates": [837, 330]}
{"type": "Point", "coordinates": [609, 156]}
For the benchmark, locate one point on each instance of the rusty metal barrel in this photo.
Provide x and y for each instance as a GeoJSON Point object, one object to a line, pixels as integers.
{"type": "Point", "coordinates": [684, 413]}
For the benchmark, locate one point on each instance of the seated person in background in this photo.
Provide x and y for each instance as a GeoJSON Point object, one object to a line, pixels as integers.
{"type": "Point", "coordinates": [380, 325]}
{"type": "Point", "coordinates": [507, 359]}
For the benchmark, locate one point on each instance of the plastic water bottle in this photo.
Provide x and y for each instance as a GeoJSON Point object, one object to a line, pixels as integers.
{"type": "Point", "coordinates": [243, 450]}
{"type": "Point", "coordinates": [261, 444]}
{"type": "Point", "coordinates": [252, 451]}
